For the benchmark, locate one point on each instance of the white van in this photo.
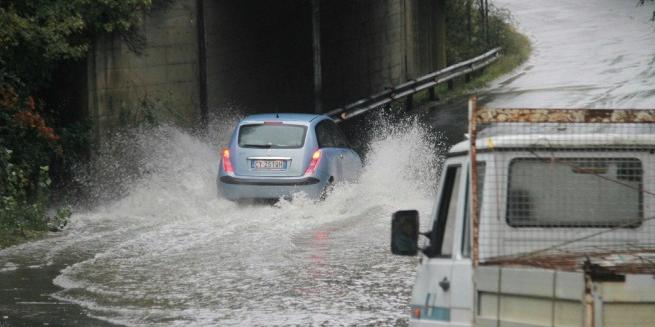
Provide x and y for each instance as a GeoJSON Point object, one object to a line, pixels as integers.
{"type": "Point", "coordinates": [563, 230]}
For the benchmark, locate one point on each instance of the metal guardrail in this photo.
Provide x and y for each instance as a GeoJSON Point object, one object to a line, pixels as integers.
{"type": "Point", "coordinates": [413, 86]}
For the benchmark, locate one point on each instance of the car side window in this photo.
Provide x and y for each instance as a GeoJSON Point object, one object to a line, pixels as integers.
{"type": "Point", "coordinates": [339, 137]}
{"type": "Point", "coordinates": [329, 135]}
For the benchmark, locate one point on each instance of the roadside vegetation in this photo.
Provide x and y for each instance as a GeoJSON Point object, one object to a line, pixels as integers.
{"type": "Point", "coordinates": [516, 50]}
{"type": "Point", "coordinates": [40, 141]}
{"type": "Point", "coordinates": [473, 28]}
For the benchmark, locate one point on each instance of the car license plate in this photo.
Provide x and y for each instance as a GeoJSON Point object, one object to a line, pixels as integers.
{"type": "Point", "coordinates": [269, 164]}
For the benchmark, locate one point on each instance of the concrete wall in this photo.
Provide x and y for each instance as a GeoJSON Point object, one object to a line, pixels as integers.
{"type": "Point", "coordinates": [259, 58]}
{"type": "Point", "coordinates": [259, 55]}
{"type": "Point", "coordinates": [370, 45]}
{"type": "Point", "coordinates": [161, 82]}
{"type": "Point", "coordinates": [363, 48]}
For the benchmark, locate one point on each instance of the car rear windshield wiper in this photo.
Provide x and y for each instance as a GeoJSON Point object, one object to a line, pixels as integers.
{"type": "Point", "coordinates": [263, 146]}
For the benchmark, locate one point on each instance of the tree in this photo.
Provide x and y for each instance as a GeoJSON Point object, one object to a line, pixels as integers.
{"type": "Point", "coordinates": [37, 34]}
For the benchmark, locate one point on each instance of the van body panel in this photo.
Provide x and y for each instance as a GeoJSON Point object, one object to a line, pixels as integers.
{"type": "Point", "coordinates": [454, 302]}
{"type": "Point", "coordinates": [518, 296]}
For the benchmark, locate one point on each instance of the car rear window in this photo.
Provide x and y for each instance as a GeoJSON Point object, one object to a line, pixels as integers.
{"type": "Point", "coordinates": [275, 136]}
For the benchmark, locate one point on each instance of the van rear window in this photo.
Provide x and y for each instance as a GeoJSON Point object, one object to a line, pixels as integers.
{"type": "Point", "coordinates": [575, 192]}
{"type": "Point", "coordinates": [272, 136]}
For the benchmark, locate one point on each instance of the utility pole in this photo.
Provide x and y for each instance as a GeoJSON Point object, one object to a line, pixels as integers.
{"type": "Point", "coordinates": [316, 43]}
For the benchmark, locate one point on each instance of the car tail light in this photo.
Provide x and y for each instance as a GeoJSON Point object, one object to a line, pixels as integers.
{"type": "Point", "coordinates": [316, 158]}
{"type": "Point", "coordinates": [227, 163]}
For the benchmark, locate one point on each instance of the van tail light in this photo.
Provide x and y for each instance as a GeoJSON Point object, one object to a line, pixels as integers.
{"type": "Point", "coordinates": [316, 158]}
{"type": "Point", "coordinates": [227, 163]}
{"type": "Point", "coordinates": [416, 313]}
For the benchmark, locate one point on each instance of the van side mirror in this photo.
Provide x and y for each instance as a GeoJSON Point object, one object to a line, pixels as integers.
{"type": "Point", "coordinates": [404, 232]}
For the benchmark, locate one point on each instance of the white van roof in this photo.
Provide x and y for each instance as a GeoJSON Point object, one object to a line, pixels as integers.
{"type": "Point", "coordinates": [562, 136]}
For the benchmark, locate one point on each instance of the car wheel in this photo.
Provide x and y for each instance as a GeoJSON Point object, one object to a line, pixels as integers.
{"type": "Point", "coordinates": [329, 187]}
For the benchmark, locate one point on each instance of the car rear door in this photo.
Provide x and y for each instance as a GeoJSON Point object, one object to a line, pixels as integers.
{"type": "Point", "coordinates": [328, 144]}
{"type": "Point", "coordinates": [350, 161]}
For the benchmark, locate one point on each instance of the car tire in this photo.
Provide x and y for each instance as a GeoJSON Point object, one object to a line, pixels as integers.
{"type": "Point", "coordinates": [329, 187]}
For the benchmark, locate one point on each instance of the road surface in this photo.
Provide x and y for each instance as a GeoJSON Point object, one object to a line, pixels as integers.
{"type": "Point", "coordinates": [163, 250]}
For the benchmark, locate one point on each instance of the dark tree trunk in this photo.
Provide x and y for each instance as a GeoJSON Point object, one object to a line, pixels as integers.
{"type": "Point", "coordinates": [442, 39]}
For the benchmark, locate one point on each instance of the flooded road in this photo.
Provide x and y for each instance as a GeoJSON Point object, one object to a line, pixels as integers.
{"type": "Point", "coordinates": [165, 251]}
{"type": "Point", "coordinates": [169, 252]}
{"type": "Point", "coordinates": [590, 53]}
{"type": "Point", "coordinates": [585, 54]}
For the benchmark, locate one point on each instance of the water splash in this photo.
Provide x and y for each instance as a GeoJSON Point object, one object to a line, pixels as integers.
{"type": "Point", "coordinates": [159, 247]}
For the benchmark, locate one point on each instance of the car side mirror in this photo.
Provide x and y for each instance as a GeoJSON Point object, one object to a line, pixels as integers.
{"type": "Point", "coordinates": [404, 232]}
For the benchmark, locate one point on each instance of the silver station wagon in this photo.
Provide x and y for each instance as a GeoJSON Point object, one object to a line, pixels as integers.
{"type": "Point", "coordinates": [276, 155]}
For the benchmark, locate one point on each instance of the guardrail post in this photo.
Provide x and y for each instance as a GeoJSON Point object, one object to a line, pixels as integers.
{"type": "Point", "coordinates": [409, 102]}
{"type": "Point", "coordinates": [451, 84]}
{"type": "Point", "coordinates": [433, 94]}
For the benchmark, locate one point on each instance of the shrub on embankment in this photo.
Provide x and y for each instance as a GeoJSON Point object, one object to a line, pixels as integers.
{"type": "Point", "coordinates": [41, 141]}
{"type": "Point", "coordinates": [474, 28]}
{"type": "Point", "coordinates": [27, 145]}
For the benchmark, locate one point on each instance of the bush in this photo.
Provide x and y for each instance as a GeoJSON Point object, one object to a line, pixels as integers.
{"type": "Point", "coordinates": [474, 29]}
{"type": "Point", "coordinates": [27, 145]}
{"type": "Point", "coordinates": [22, 200]}
{"type": "Point", "coordinates": [37, 38]}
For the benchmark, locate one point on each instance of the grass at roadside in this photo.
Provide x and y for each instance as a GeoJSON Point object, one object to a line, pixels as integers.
{"type": "Point", "coordinates": [516, 51]}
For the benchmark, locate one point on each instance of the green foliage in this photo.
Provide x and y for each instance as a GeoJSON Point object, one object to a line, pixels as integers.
{"type": "Point", "coordinates": [515, 46]}
{"type": "Point", "coordinates": [37, 34]}
{"type": "Point", "coordinates": [516, 50]}
{"type": "Point", "coordinates": [27, 145]}
{"type": "Point", "coordinates": [473, 29]}
{"type": "Point", "coordinates": [22, 199]}
{"type": "Point", "coordinates": [37, 37]}
{"type": "Point", "coordinates": [23, 202]}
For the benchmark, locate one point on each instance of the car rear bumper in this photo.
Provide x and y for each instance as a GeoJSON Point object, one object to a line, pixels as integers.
{"type": "Point", "coordinates": [236, 188]}
{"type": "Point", "coordinates": [268, 182]}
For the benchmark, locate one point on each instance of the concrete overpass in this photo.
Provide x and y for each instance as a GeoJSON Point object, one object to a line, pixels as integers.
{"type": "Point", "coordinates": [204, 56]}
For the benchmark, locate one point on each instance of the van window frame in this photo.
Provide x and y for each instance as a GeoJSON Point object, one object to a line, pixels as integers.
{"type": "Point", "coordinates": [467, 236]}
{"type": "Point", "coordinates": [437, 234]}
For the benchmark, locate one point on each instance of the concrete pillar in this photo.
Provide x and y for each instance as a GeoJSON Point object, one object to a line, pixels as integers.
{"type": "Point", "coordinates": [202, 62]}
{"type": "Point", "coordinates": [316, 46]}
